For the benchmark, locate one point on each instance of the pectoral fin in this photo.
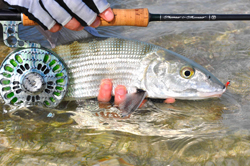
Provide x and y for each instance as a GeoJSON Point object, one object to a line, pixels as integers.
{"type": "Point", "coordinates": [132, 102]}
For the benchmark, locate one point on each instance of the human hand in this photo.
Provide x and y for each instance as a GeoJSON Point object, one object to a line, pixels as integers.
{"type": "Point", "coordinates": [105, 93]}
{"type": "Point", "coordinates": [72, 14]}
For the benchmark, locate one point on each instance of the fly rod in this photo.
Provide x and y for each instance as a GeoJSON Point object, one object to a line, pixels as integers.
{"type": "Point", "coordinates": [136, 17]}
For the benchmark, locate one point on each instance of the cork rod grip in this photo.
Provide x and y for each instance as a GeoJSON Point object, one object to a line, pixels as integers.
{"type": "Point", "coordinates": [27, 22]}
{"type": "Point", "coordinates": [128, 17]}
{"type": "Point", "coordinates": [123, 17]}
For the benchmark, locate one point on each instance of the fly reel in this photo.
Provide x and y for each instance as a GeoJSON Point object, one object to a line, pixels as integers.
{"type": "Point", "coordinates": [33, 76]}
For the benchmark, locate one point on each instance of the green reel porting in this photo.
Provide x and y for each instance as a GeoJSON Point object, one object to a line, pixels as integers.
{"type": "Point", "coordinates": [33, 76]}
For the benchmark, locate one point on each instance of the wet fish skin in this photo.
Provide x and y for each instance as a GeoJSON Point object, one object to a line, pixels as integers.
{"type": "Point", "coordinates": [134, 64]}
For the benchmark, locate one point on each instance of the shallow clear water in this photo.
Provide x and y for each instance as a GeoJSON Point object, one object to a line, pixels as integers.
{"type": "Point", "coordinates": [207, 132]}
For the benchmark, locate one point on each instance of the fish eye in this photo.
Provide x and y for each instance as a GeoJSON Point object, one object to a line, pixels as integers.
{"type": "Point", "coordinates": [187, 72]}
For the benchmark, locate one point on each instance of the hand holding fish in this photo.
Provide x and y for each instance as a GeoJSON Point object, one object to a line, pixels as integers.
{"type": "Point", "coordinates": [72, 14]}
{"type": "Point", "coordinates": [105, 93]}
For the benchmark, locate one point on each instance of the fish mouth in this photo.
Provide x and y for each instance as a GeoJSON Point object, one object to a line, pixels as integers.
{"type": "Point", "coordinates": [200, 95]}
{"type": "Point", "coordinates": [212, 94]}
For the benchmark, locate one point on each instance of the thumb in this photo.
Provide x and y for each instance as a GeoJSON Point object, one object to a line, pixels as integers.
{"type": "Point", "coordinates": [107, 15]}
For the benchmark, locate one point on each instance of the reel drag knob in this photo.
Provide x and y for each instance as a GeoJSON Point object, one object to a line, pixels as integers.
{"type": "Point", "coordinates": [33, 83]}
{"type": "Point", "coordinates": [33, 76]}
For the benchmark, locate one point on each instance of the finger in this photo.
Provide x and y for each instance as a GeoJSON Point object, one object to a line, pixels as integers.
{"type": "Point", "coordinates": [107, 15]}
{"type": "Point", "coordinates": [36, 12]}
{"type": "Point", "coordinates": [169, 100]}
{"type": "Point", "coordinates": [105, 91]}
{"type": "Point", "coordinates": [120, 94]}
{"type": "Point", "coordinates": [74, 25]}
{"type": "Point", "coordinates": [99, 5]}
{"type": "Point", "coordinates": [56, 11]}
{"type": "Point", "coordinates": [80, 11]}
{"type": "Point", "coordinates": [56, 28]}
{"type": "Point", "coordinates": [96, 23]}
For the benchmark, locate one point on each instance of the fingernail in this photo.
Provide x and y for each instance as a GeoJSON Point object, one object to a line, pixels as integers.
{"type": "Point", "coordinates": [106, 84]}
{"type": "Point", "coordinates": [55, 28]}
{"type": "Point", "coordinates": [121, 91]}
{"type": "Point", "coordinates": [107, 15]}
{"type": "Point", "coordinates": [80, 28]}
{"type": "Point", "coordinates": [96, 23]}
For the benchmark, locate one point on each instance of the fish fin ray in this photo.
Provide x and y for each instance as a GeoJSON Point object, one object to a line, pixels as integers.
{"type": "Point", "coordinates": [132, 102]}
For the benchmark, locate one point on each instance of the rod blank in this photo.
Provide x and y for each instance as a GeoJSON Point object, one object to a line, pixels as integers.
{"type": "Point", "coordinates": [199, 17]}
{"type": "Point", "coordinates": [9, 15]}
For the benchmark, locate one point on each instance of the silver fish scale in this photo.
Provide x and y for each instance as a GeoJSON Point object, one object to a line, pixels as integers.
{"type": "Point", "coordinates": [90, 62]}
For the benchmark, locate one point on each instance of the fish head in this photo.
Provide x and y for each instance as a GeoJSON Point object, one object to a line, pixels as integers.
{"type": "Point", "coordinates": [172, 75]}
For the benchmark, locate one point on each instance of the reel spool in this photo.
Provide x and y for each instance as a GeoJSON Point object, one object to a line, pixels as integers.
{"type": "Point", "coordinates": [33, 76]}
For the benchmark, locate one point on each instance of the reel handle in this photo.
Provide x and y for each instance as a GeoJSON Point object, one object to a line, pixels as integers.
{"type": "Point", "coordinates": [123, 17]}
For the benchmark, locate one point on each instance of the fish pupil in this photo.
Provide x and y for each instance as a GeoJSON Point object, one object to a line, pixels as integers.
{"type": "Point", "coordinates": [187, 73]}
